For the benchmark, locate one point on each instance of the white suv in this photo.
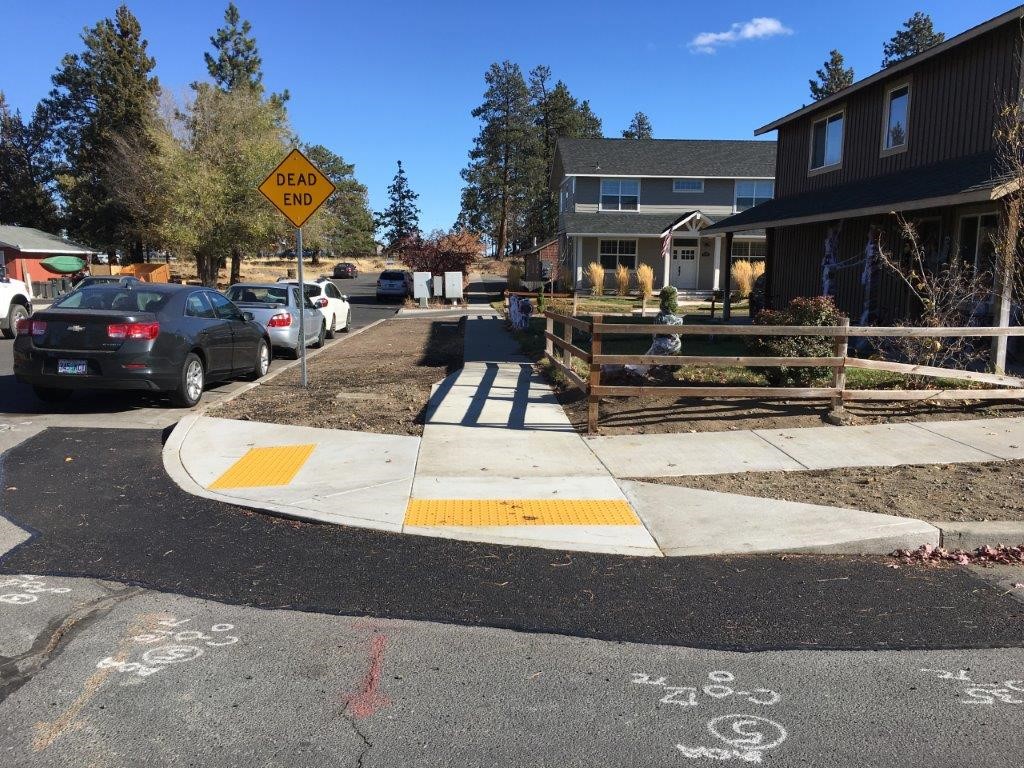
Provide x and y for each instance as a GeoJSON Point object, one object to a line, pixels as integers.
{"type": "Point", "coordinates": [15, 304]}
{"type": "Point", "coordinates": [333, 305]}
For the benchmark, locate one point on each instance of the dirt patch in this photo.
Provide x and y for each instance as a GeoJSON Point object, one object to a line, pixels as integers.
{"type": "Point", "coordinates": [625, 416]}
{"type": "Point", "coordinates": [378, 381]}
{"type": "Point", "coordinates": [949, 492]}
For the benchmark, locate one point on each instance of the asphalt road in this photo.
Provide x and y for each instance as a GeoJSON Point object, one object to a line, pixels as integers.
{"type": "Point", "coordinates": [108, 675]}
{"type": "Point", "coordinates": [21, 413]}
{"type": "Point", "coordinates": [134, 525]}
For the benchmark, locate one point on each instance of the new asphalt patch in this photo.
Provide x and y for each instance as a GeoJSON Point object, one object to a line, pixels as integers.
{"type": "Point", "coordinates": [103, 507]}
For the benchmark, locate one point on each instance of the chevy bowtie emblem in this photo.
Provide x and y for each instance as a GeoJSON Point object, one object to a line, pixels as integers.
{"type": "Point", "coordinates": [76, 328]}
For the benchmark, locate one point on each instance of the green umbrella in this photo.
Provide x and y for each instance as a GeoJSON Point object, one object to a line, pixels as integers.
{"type": "Point", "coordinates": [63, 264]}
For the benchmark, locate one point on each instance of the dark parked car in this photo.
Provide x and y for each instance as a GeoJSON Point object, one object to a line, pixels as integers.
{"type": "Point", "coordinates": [345, 269]}
{"type": "Point", "coordinates": [152, 337]}
{"type": "Point", "coordinates": [92, 280]}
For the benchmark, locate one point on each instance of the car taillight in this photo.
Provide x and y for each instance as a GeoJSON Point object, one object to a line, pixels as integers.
{"type": "Point", "coordinates": [321, 303]}
{"type": "Point", "coordinates": [141, 331]}
{"type": "Point", "coordinates": [282, 320]}
{"type": "Point", "coordinates": [38, 327]}
{"type": "Point", "coordinates": [23, 326]}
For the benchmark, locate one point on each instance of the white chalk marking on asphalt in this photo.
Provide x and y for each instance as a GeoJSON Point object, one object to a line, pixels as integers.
{"type": "Point", "coordinates": [29, 589]}
{"type": "Point", "coordinates": [180, 646]}
{"type": "Point", "coordinates": [982, 693]}
{"type": "Point", "coordinates": [716, 690]}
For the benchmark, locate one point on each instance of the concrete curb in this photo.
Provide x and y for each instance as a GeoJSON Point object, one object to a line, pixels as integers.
{"type": "Point", "coordinates": [310, 353]}
{"type": "Point", "coordinates": [972, 535]}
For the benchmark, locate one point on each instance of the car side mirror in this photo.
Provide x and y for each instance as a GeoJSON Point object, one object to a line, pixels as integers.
{"type": "Point", "coordinates": [344, 297]}
{"type": "Point", "coordinates": [248, 316]}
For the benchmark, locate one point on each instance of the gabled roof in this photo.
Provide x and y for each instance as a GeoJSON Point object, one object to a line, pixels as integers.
{"type": "Point", "coordinates": [30, 240]}
{"type": "Point", "coordinates": [1012, 15]}
{"type": "Point", "coordinates": [629, 224]}
{"type": "Point", "coordinates": [706, 158]}
{"type": "Point", "coordinates": [961, 180]}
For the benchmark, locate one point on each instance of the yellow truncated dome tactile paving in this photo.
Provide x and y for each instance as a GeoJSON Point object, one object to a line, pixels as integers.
{"type": "Point", "coordinates": [271, 465]}
{"type": "Point", "coordinates": [493, 512]}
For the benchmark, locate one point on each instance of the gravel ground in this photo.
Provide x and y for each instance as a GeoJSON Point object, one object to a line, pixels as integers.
{"type": "Point", "coordinates": [948, 492]}
{"type": "Point", "coordinates": [378, 381]}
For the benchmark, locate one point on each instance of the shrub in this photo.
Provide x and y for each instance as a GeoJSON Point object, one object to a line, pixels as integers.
{"type": "Point", "coordinates": [622, 279]}
{"type": "Point", "coordinates": [541, 301]}
{"type": "Point", "coordinates": [595, 273]}
{"type": "Point", "coordinates": [669, 300]}
{"type": "Point", "coordinates": [745, 274]}
{"type": "Point", "coordinates": [645, 279]}
{"type": "Point", "coordinates": [514, 277]}
{"type": "Point", "coordinates": [820, 310]}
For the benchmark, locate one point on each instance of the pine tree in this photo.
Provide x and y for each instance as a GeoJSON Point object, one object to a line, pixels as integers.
{"type": "Point", "coordinates": [25, 171]}
{"type": "Point", "coordinates": [504, 159]}
{"type": "Point", "coordinates": [639, 128]}
{"type": "Point", "coordinates": [916, 36]}
{"type": "Point", "coordinates": [401, 219]}
{"type": "Point", "coordinates": [237, 61]}
{"type": "Point", "coordinates": [558, 115]}
{"type": "Point", "coordinates": [832, 77]}
{"type": "Point", "coordinates": [345, 222]}
{"type": "Point", "coordinates": [104, 92]}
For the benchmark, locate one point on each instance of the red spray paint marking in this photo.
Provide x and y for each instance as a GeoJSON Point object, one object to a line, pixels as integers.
{"type": "Point", "coordinates": [369, 699]}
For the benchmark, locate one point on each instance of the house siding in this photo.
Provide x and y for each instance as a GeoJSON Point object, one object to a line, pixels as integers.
{"type": "Point", "coordinates": [954, 101]}
{"type": "Point", "coordinates": [656, 196]}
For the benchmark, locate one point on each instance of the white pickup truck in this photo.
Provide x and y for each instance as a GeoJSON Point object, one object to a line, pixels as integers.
{"type": "Point", "coordinates": [15, 304]}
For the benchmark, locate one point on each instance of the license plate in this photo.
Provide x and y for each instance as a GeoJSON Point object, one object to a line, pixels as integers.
{"type": "Point", "coordinates": [73, 367]}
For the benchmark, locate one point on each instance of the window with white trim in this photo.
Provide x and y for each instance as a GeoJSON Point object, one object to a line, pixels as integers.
{"type": "Point", "coordinates": [751, 192]}
{"type": "Point", "coordinates": [687, 185]}
{"type": "Point", "coordinates": [749, 249]}
{"type": "Point", "coordinates": [620, 194]}
{"type": "Point", "coordinates": [897, 110]}
{"type": "Point", "coordinates": [827, 141]}
{"type": "Point", "coordinates": [612, 253]}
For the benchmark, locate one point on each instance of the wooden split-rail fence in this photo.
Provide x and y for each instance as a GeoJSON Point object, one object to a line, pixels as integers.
{"type": "Point", "coordinates": [560, 350]}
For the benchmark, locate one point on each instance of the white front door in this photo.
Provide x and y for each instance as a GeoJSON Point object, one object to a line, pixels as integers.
{"type": "Point", "coordinates": [684, 267]}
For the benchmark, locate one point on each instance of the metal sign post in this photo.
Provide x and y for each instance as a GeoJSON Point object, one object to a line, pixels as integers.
{"type": "Point", "coordinates": [297, 188]}
{"type": "Point", "coordinates": [302, 309]}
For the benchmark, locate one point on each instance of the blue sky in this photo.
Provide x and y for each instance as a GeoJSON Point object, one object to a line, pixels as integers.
{"type": "Point", "coordinates": [382, 81]}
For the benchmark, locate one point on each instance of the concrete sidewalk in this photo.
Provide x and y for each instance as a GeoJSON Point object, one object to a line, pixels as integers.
{"type": "Point", "coordinates": [761, 450]}
{"type": "Point", "coordinates": [499, 462]}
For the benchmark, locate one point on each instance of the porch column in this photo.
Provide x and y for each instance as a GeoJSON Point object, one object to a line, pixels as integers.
{"type": "Point", "coordinates": [726, 279]}
{"type": "Point", "coordinates": [769, 266]}
{"type": "Point", "coordinates": [1004, 282]}
{"type": "Point", "coordinates": [577, 261]}
{"type": "Point", "coordinates": [718, 262]}
{"type": "Point", "coordinates": [666, 254]}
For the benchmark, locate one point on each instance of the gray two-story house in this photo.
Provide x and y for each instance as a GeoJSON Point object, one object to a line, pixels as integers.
{"type": "Point", "coordinates": [647, 201]}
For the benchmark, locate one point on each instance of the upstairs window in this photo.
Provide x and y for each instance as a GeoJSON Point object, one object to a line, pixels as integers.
{"type": "Point", "coordinates": [897, 109]}
{"type": "Point", "coordinates": [568, 191]}
{"type": "Point", "coordinates": [827, 142]}
{"type": "Point", "coordinates": [687, 185]}
{"type": "Point", "coordinates": [620, 194]}
{"type": "Point", "coordinates": [751, 192]}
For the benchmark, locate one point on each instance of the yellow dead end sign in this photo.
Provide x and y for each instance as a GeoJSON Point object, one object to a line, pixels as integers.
{"type": "Point", "coordinates": [296, 188]}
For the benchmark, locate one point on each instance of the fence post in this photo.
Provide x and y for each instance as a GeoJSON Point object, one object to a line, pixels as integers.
{"type": "Point", "coordinates": [567, 338]}
{"type": "Point", "coordinates": [840, 349]}
{"type": "Point", "coordinates": [593, 400]}
{"type": "Point", "coordinates": [549, 327]}
{"type": "Point", "coordinates": [575, 302]}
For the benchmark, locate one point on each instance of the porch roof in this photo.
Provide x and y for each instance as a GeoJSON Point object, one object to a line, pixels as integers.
{"type": "Point", "coordinates": [951, 182]}
{"type": "Point", "coordinates": [632, 224]}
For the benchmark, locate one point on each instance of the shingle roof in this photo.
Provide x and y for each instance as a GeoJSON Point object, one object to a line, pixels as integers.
{"type": "Point", "coordinates": [963, 179]}
{"type": "Point", "coordinates": [666, 157]}
{"type": "Point", "coordinates": [36, 241]}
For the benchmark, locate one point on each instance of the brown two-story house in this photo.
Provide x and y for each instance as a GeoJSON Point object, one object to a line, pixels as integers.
{"type": "Point", "coordinates": [917, 139]}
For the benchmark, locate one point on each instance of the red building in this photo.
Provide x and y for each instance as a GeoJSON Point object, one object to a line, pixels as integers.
{"type": "Point", "coordinates": [23, 249]}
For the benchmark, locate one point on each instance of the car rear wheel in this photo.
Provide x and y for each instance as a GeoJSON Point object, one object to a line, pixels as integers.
{"type": "Point", "coordinates": [330, 331]}
{"type": "Point", "coordinates": [16, 313]}
{"type": "Point", "coordinates": [190, 382]}
{"type": "Point", "coordinates": [320, 336]}
{"type": "Point", "coordinates": [262, 360]}
{"type": "Point", "coordinates": [348, 322]}
{"type": "Point", "coordinates": [51, 394]}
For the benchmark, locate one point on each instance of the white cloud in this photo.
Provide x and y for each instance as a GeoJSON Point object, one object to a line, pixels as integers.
{"type": "Point", "coordinates": [755, 29]}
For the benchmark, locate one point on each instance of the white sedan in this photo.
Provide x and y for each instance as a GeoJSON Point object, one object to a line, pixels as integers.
{"type": "Point", "coordinates": [333, 305]}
